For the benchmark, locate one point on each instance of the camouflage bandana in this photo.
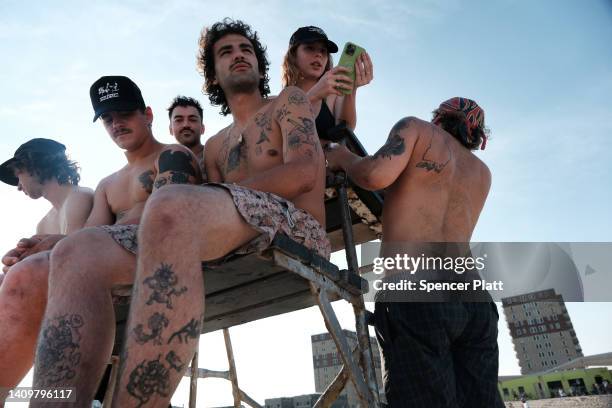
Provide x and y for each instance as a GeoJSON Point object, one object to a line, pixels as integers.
{"type": "Point", "coordinates": [474, 114]}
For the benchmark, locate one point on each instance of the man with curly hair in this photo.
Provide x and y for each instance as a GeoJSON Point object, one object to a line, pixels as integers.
{"type": "Point", "coordinates": [267, 176]}
{"type": "Point", "coordinates": [39, 168]}
{"type": "Point", "coordinates": [439, 350]}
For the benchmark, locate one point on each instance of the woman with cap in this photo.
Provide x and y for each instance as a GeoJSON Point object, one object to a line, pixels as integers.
{"type": "Point", "coordinates": [308, 65]}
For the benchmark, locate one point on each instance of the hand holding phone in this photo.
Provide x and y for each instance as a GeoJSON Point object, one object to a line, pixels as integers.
{"type": "Point", "coordinates": [348, 59]}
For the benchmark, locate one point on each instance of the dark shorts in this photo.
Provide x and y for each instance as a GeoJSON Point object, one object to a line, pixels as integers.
{"type": "Point", "coordinates": [439, 355]}
{"type": "Point", "coordinates": [270, 214]}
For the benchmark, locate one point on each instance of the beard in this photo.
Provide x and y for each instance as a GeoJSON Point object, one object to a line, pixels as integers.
{"type": "Point", "coordinates": [245, 83]}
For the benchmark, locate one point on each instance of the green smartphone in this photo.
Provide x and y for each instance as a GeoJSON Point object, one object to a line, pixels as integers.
{"type": "Point", "coordinates": [347, 59]}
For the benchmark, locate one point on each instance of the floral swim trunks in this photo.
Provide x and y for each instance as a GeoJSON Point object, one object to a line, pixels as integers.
{"type": "Point", "coordinates": [125, 235]}
{"type": "Point", "coordinates": [267, 213]}
{"type": "Point", "coordinates": [270, 214]}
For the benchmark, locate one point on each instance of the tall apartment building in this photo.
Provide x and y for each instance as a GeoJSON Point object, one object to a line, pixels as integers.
{"type": "Point", "coordinates": [327, 363]}
{"type": "Point", "coordinates": [541, 330]}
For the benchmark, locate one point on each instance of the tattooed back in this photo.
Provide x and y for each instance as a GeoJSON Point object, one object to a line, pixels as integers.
{"type": "Point", "coordinates": [440, 193]}
{"type": "Point", "coordinates": [282, 128]}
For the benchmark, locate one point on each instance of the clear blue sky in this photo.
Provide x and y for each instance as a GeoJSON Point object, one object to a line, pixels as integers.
{"type": "Point", "coordinates": [541, 70]}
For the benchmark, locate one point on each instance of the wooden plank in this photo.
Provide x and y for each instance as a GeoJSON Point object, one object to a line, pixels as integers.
{"type": "Point", "coordinates": [341, 287]}
{"type": "Point", "coordinates": [335, 330]}
{"type": "Point", "coordinates": [232, 368]}
{"type": "Point", "coordinates": [361, 234]}
{"type": "Point", "coordinates": [262, 291]}
{"type": "Point", "coordinates": [304, 255]}
{"type": "Point", "coordinates": [238, 271]}
{"type": "Point", "coordinates": [288, 304]}
{"type": "Point", "coordinates": [193, 381]}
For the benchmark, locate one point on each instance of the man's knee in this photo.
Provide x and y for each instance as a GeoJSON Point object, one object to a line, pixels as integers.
{"type": "Point", "coordinates": [171, 205]}
{"type": "Point", "coordinates": [27, 277]}
{"type": "Point", "coordinates": [82, 248]}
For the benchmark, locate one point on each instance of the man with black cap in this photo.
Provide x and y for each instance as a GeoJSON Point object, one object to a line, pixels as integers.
{"type": "Point", "coordinates": [81, 263]}
{"type": "Point", "coordinates": [439, 351]}
{"type": "Point", "coordinates": [39, 168]}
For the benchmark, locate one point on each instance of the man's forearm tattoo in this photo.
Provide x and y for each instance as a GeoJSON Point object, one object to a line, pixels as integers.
{"type": "Point", "coordinates": [148, 378]}
{"type": "Point", "coordinates": [163, 283]}
{"type": "Point", "coordinates": [190, 331]}
{"type": "Point", "coordinates": [58, 352]}
{"type": "Point", "coordinates": [156, 324]}
{"type": "Point", "coordinates": [146, 180]}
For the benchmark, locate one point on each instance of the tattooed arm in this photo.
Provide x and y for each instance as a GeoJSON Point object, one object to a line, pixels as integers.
{"type": "Point", "coordinates": [176, 165]}
{"type": "Point", "coordinates": [302, 153]}
{"type": "Point", "coordinates": [384, 167]}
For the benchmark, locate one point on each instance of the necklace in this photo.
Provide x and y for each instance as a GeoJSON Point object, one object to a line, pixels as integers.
{"type": "Point", "coordinates": [240, 137]}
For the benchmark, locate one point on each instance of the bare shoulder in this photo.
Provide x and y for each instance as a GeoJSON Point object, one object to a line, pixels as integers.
{"type": "Point", "coordinates": [411, 125]}
{"type": "Point", "coordinates": [486, 173]}
{"type": "Point", "coordinates": [216, 139]}
{"type": "Point", "coordinates": [110, 179]}
{"type": "Point", "coordinates": [80, 191]}
{"type": "Point", "coordinates": [291, 95]}
{"type": "Point", "coordinates": [80, 195]}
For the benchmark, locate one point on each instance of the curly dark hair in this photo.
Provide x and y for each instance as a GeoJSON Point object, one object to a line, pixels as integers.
{"type": "Point", "coordinates": [455, 123]}
{"type": "Point", "coordinates": [47, 166]}
{"type": "Point", "coordinates": [206, 59]}
{"type": "Point", "coordinates": [185, 101]}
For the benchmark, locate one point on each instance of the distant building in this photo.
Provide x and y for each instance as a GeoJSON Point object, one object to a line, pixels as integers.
{"type": "Point", "coordinates": [327, 364]}
{"type": "Point", "coordinates": [541, 330]}
{"type": "Point", "coordinates": [302, 401]}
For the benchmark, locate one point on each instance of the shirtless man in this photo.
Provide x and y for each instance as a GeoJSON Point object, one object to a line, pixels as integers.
{"type": "Point", "coordinates": [81, 262]}
{"type": "Point", "coordinates": [268, 176]}
{"type": "Point", "coordinates": [436, 354]}
{"type": "Point", "coordinates": [39, 168]}
{"type": "Point", "coordinates": [187, 126]}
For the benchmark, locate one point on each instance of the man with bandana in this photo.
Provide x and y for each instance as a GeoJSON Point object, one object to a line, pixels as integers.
{"type": "Point", "coordinates": [440, 350]}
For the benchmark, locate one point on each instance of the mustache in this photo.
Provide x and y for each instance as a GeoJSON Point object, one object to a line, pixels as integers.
{"type": "Point", "coordinates": [240, 62]}
{"type": "Point", "coordinates": [121, 131]}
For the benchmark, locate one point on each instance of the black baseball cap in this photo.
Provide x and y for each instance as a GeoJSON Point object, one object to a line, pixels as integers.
{"type": "Point", "coordinates": [41, 146]}
{"type": "Point", "coordinates": [310, 34]}
{"type": "Point", "coordinates": [115, 93]}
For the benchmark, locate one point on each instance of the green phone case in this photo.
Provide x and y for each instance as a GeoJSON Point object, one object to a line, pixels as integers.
{"type": "Point", "coordinates": [347, 59]}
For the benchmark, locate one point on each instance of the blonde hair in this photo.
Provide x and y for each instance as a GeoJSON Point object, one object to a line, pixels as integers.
{"type": "Point", "coordinates": [290, 73]}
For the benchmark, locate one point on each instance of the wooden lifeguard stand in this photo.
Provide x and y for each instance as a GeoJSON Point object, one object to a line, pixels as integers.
{"type": "Point", "coordinates": [287, 277]}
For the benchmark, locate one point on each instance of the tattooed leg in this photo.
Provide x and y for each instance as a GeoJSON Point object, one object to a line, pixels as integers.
{"type": "Point", "coordinates": [181, 226]}
{"type": "Point", "coordinates": [23, 296]}
{"type": "Point", "coordinates": [78, 329]}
